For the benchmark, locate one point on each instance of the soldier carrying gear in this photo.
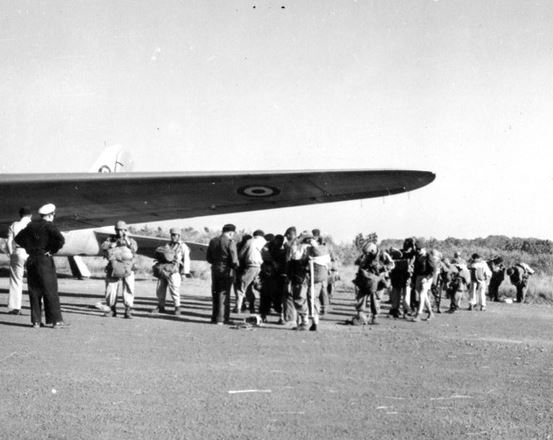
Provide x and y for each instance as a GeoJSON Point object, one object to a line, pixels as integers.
{"type": "Point", "coordinates": [120, 250]}
{"type": "Point", "coordinates": [175, 265]}
{"type": "Point", "coordinates": [424, 273]}
{"type": "Point", "coordinates": [41, 239]}
{"type": "Point", "coordinates": [456, 279]}
{"type": "Point", "coordinates": [498, 275]}
{"type": "Point", "coordinates": [519, 275]}
{"type": "Point", "coordinates": [374, 266]}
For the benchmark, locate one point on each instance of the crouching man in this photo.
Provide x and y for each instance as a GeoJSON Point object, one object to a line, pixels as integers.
{"type": "Point", "coordinates": [173, 264]}
{"type": "Point", "coordinates": [120, 250]}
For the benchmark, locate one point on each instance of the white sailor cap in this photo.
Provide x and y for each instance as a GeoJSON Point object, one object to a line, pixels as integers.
{"type": "Point", "coordinates": [47, 209]}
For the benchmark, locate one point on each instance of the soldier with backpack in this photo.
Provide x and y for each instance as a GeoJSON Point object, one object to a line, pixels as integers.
{"type": "Point", "coordinates": [498, 275]}
{"type": "Point", "coordinates": [480, 275]}
{"type": "Point", "coordinates": [173, 262]}
{"type": "Point", "coordinates": [374, 266]}
{"type": "Point", "coordinates": [456, 278]}
{"type": "Point", "coordinates": [120, 250]}
{"type": "Point", "coordinates": [424, 272]}
{"type": "Point", "coordinates": [519, 275]}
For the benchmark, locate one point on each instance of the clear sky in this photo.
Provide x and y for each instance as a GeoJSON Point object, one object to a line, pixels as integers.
{"type": "Point", "coordinates": [460, 88]}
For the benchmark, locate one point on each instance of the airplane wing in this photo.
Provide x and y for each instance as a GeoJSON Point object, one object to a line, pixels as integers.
{"type": "Point", "coordinates": [87, 200]}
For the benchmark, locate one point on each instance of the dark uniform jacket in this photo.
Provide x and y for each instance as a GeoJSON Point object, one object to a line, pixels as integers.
{"type": "Point", "coordinates": [222, 255]}
{"type": "Point", "coordinates": [40, 237]}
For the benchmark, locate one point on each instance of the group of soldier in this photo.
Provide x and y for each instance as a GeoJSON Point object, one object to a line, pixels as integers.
{"type": "Point", "coordinates": [417, 279]}
{"type": "Point", "coordinates": [293, 273]}
{"type": "Point", "coordinates": [33, 243]}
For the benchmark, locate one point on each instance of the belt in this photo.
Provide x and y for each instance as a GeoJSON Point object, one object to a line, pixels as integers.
{"type": "Point", "coordinates": [40, 254]}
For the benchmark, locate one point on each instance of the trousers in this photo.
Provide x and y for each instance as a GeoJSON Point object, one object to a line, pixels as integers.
{"type": "Point", "coordinates": [478, 293]}
{"type": "Point", "coordinates": [127, 287]}
{"type": "Point", "coordinates": [367, 291]}
{"type": "Point", "coordinates": [314, 303]}
{"type": "Point", "coordinates": [288, 303]}
{"type": "Point", "coordinates": [299, 295]}
{"type": "Point", "coordinates": [17, 269]}
{"type": "Point", "coordinates": [173, 285]}
{"type": "Point", "coordinates": [271, 295]}
{"type": "Point", "coordinates": [221, 284]}
{"type": "Point", "coordinates": [422, 287]}
{"type": "Point", "coordinates": [43, 287]}
{"type": "Point", "coordinates": [245, 285]}
{"type": "Point", "coordinates": [401, 297]}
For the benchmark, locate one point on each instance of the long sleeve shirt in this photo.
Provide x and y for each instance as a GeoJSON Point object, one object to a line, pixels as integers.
{"type": "Point", "coordinates": [14, 229]}
{"type": "Point", "coordinates": [222, 254]}
{"type": "Point", "coordinates": [40, 238]}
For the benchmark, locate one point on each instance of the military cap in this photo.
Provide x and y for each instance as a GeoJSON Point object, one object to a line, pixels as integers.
{"type": "Point", "coordinates": [47, 209]}
{"type": "Point", "coordinates": [475, 256]}
{"type": "Point", "coordinates": [229, 228]}
{"type": "Point", "coordinates": [121, 225]}
{"type": "Point", "coordinates": [305, 236]}
{"type": "Point", "coordinates": [258, 233]}
{"type": "Point", "coordinates": [291, 230]}
{"type": "Point", "coordinates": [316, 232]}
{"type": "Point", "coordinates": [270, 237]}
{"type": "Point", "coordinates": [369, 247]}
{"type": "Point", "coordinates": [174, 231]}
{"type": "Point", "coordinates": [25, 211]}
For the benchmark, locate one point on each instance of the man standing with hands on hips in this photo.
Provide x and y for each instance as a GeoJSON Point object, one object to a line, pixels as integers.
{"type": "Point", "coordinates": [42, 239]}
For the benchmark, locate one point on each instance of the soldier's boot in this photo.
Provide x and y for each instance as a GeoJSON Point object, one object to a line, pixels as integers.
{"type": "Point", "coordinates": [128, 313]}
{"type": "Point", "coordinates": [177, 310]}
{"type": "Point", "coordinates": [303, 323]}
{"type": "Point", "coordinates": [359, 319]}
{"type": "Point", "coordinates": [315, 324]}
{"type": "Point", "coordinates": [112, 312]}
{"type": "Point", "coordinates": [281, 319]}
{"type": "Point", "coordinates": [374, 321]}
{"type": "Point", "coordinates": [238, 308]}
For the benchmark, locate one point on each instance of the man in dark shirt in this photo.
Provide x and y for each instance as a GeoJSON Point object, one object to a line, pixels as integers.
{"type": "Point", "coordinates": [41, 239]}
{"type": "Point", "coordinates": [223, 257]}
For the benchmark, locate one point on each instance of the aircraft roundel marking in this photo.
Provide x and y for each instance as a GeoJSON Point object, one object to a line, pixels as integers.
{"type": "Point", "coordinates": [258, 191]}
{"type": "Point", "coordinates": [104, 169]}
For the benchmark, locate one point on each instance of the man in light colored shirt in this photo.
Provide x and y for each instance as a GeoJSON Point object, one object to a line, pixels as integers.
{"type": "Point", "coordinates": [250, 261]}
{"type": "Point", "coordinates": [18, 257]}
{"type": "Point", "coordinates": [480, 275]}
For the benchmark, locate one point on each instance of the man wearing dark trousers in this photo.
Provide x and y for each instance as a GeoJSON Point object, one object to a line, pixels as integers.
{"type": "Point", "coordinates": [223, 257]}
{"type": "Point", "coordinates": [41, 239]}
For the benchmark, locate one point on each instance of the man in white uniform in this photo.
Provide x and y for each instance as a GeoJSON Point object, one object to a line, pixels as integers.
{"type": "Point", "coordinates": [18, 257]}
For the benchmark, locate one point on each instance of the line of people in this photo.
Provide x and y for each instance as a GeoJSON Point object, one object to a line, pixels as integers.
{"type": "Point", "coordinates": [416, 278]}
{"type": "Point", "coordinates": [291, 272]}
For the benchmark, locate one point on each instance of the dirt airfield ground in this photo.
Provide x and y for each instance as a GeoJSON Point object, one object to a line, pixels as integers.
{"type": "Point", "coordinates": [473, 375]}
